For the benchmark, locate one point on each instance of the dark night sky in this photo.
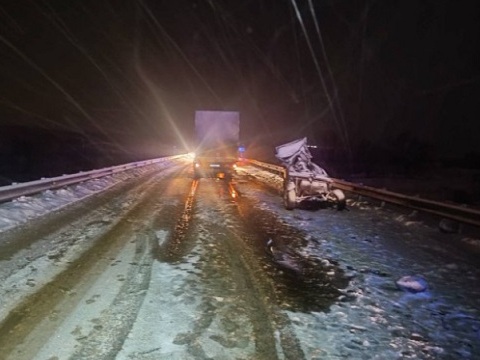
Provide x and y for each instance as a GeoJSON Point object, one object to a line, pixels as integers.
{"type": "Point", "coordinates": [127, 76]}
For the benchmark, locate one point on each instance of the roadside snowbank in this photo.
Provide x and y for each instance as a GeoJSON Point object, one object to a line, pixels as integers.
{"type": "Point", "coordinates": [25, 208]}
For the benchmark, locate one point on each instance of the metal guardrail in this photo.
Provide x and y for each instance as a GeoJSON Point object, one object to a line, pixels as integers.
{"type": "Point", "coordinates": [450, 211]}
{"type": "Point", "coordinates": [13, 191]}
{"type": "Point", "coordinates": [280, 170]}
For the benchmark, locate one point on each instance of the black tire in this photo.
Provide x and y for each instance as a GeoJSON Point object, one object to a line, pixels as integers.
{"type": "Point", "coordinates": [289, 198]}
{"type": "Point", "coordinates": [338, 199]}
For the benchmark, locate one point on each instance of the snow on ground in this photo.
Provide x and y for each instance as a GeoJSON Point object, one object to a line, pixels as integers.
{"type": "Point", "coordinates": [376, 319]}
{"type": "Point", "coordinates": [33, 267]}
{"type": "Point", "coordinates": [273, 180]}
{"type": "Point", "coordinates": [276, 182]}
{"type": "Point", "coordinates": [25, 208]}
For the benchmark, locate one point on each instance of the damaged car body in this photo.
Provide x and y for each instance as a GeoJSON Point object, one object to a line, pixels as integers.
{"type": "Point", "coordinates": [303, 179]}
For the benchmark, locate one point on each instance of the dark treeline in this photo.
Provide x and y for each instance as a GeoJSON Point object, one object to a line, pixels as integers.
{"type": "Point", "coordinates": [28, 154]}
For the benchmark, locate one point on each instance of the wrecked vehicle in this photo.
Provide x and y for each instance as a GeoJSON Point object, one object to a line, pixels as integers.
{"type": "Point", "coordinates": [305, 180]}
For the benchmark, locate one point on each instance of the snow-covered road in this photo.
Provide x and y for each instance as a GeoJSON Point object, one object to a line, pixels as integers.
{"type": "Point", "coordinates": [159, 266]}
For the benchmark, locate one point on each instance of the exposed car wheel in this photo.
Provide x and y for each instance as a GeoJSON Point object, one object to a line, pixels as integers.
{"type": "Point", "coordinates": [338, 198]}
{"type": "Point", "coordinates": [290, 198]}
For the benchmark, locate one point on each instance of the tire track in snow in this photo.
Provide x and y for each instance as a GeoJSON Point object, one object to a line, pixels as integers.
{"type": "Point", "coordinates": [69, 287]}
{"type": "Point", "coordinates": [237, 298]}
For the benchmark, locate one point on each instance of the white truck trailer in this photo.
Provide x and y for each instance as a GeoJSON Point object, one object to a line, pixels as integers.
{"type": "Point", "coordinates": [217, 134]}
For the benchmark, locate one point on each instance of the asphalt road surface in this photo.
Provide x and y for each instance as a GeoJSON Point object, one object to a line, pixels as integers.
{"type": "Point", "coordinates": [168, 267]}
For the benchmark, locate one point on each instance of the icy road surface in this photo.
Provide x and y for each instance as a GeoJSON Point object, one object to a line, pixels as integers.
{"type": "Point", "coordinates": [159, 266]}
